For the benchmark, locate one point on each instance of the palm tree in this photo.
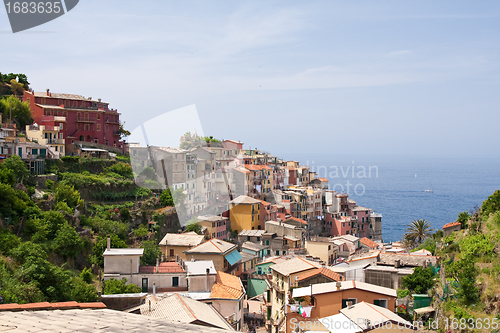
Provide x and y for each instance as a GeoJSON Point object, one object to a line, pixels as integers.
{"type": "Point", "coordinates": [418, 230]}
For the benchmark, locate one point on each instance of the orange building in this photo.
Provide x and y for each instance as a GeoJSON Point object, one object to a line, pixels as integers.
{"type": "Point", "coordinates": [327, 299]}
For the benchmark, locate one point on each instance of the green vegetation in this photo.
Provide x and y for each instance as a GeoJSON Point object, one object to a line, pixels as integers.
{"type": "Point", "coordinates": [151, 252]}
{"type": "Point", "coordinates": [468, 286]}
{"type": "Point", "coordinates": [114, 286]}
{"type": "Point", "coordinates": [48, 245]}
{"type": "Point", "coordinates": [20, 113]}
{"type": "Point", "coordinates": [417, 231]}
{"type": "Point", "coordinates": [420, 281]}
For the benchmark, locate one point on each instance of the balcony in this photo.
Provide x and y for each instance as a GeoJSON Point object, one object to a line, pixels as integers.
{"type": "Point", "coordinates": [82, 120]}
{"type": "Point", "coordinates": [55, 141]}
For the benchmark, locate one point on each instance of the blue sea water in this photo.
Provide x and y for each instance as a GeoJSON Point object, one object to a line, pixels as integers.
{"type": "Point", "coordinates": [458, 184]}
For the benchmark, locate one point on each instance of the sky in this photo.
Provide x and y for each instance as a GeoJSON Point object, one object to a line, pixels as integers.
{"type": "Point", "coordinates": [325, 77]}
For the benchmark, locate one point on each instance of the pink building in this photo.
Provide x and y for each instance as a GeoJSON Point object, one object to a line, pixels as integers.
{"type": "Point", "coordinates": [340, 225]}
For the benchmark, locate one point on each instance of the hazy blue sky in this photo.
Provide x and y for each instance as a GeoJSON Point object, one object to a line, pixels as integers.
{"type": "Point", "coordinates": [322, 76]}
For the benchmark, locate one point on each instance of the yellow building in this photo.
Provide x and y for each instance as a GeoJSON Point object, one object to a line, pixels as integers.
{"type": "Point", "coordinates": [244, 213]}
{"type": "Point", "coordinates": [325, 251]}
{"type": "Point", "coordinates": [51, 136]}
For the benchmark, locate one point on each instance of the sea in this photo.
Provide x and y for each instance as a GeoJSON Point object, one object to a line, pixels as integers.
{"type": "Point", "coordinates": [404, 188]}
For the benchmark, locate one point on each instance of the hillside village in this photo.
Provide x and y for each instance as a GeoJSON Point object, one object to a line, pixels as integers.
{"type": "Point", "coordinates": [209, 233]}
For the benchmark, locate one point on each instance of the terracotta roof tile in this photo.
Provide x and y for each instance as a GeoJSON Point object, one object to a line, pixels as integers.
{"type": "Point", "coordinates": [452, 224]}
{"type": "Point", "coordinates": [320, 271]}
{"type": "Point", "coordinates": [296, 219]}
{"type": "Point", "coordinates": [227, 286]}
{"type": "Point", "coordinates": [368, 242]}
{"type": "Point", "coordinates": [51, 306]}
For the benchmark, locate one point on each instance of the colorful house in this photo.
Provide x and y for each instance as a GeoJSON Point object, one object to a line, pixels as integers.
{"type": "Point", "coordinates": [244, 213]}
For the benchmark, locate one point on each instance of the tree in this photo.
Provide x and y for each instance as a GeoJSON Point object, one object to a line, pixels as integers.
{"type": "Point", "coordinates": [124, 214]}
{"type": "Point", "coordinates": [20, 111]}
{"type": "Point", "coordinates": [101, 244]}
{"type": "Point", "coordinates": [106, 227]}
{"type": "Point", "coordinates": [16, 87]}
{"type": "Point", "coordinates": [7, 177]}
{"type": "Point", "coordinates": [86, 275]}
{"type": "Point", "coordinates": [196, 227]}
{"type": "Point", "coordinates": [420, 281]}
{"type": "Point", "coordinates": [68, 194]}
{"type": "Point", "coordinates": [463, 218]}
{"type": "Point", "coordinates": [151, 253]}
{"type": "Point", "coordinates": [83, 292]}
{"type": "Point", "coordinates": [8, 241]}
{"type": "Point", "coordinates": [17, 166]}
{"type": "Point", "coordinates": [464, 272]}
{"type": "Point", "coordinates": [492, 204]}
{"type": "Point", "coordinates": [123, 132]}
{"type": "Point", "coordinates": [12, 202]}
{"type": "Point", "coordinates": [418, 230]}
{"type": "Point", "coordinates": [52, 221]}
{"type": "Point", "coordinates": [68, 242]}
{"type": "Point", "coordinates": [141, 232]}
{"type": "Point", "coordinates": [54, 282]}
{"type": "Point", "coordinates": [166, 198]}
{"type": "Point", "coordinates": [114, 286]}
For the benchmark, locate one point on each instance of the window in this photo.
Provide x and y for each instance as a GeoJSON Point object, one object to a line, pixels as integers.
{"type": "Point", "coordinates": [258, 239]}
{"type": "Point", "coordinates": [381, 302]}
{"type": "Point", "coordinates": [267, 243]}
{"type": "Point", "coordinates": [344, 302]}
{"type": "Point", "coordinates": [284, 252]}
{"type": "Point", "coordinates": [171, 252]}
{"type": "Point", "coordinates": [175, 281]}
{"type": "Point", "coordinates": [98, 127]}
{"type": "Point", "coordinates": [277, 253]}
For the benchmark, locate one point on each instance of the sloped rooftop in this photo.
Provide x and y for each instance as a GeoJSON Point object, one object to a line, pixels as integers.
{"type": "Point", "coordinates": [294, 265]}
{"type": "Point", "coordinates": [245, 200]}
{"type": "Point", "coordinates": [182, 309]}
{"type": "Point", "coordinates": [103, 320]}
{"type": "Point", "coordinates": [186, 239]}
{"type": "Point", "coordinates": [213, 245]}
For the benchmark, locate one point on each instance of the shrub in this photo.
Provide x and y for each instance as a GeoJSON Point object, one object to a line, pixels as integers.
{"type": "Point", "coordinates": [86, 275]}
{"type": "Point", "coordinates": [114, 286]}
{"type": "Point", "coordinates": [49, 184]}
{"type": "Point", "coordinates": [420, 281]}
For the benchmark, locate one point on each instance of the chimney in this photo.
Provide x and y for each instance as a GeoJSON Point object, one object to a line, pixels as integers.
{"type": "Point", "coordinates": [48, 92]}
{"type": "Point", "coordinates": [99, 100]}
{"type": "Point", "coordinates": [207, 283]}
{"type": "Point", "coordinates": [157, 265]}
{"type": "Point", "coordinates": [338, 285]}
{"type": "Point", "coordinates": [108, 244]}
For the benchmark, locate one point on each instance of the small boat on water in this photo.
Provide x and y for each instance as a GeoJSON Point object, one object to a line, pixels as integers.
{"type": "Point", "coordinates": [428, 191]}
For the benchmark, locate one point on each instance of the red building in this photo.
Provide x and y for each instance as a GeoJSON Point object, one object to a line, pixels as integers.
{"type": "Point", "coordinates": [80, 119]}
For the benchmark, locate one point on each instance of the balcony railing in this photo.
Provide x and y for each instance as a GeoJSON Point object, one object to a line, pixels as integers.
{"type": "Point", "coordinates": [55, 141]}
